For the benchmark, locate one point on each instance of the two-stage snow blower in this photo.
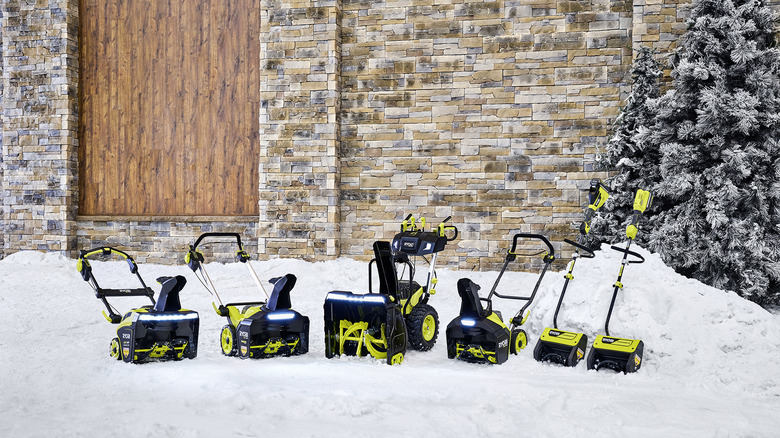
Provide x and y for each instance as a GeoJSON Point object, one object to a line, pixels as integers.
{"type": "Point", "coordinates": [561, 346]}
{"type": "Point", "coordinates": [160, 331]}
{"type": "Point", "coordinates": [479, 334]}
{"type": "Point", "coordinates": [257, 329]}
{"type": "Point", "coordinates": [621, 354]}
{"type": "Point", "coordinates": [381, 324]}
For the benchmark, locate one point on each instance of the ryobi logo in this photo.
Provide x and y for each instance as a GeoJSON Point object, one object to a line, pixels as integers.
{"type": "Point", "coordinates": [554, 333]}
{"type": "Point", "coordinates": [503, 343]}
{"type": "Point", "coordinates": [408, 244]}
{"type": "Point", "coordinates": [608, 340]}
{"type": "Point", "coordinates": [125, 335]}
{"type": "Point", "coordinates": [124, 291]}
{"type": "Point", "coordinates": [243, 335]}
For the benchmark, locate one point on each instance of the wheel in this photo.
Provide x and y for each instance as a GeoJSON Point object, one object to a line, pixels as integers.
{"type": "Point", "coordinates": [423, 323]}
{"type": "Point", "coordinates": [115, 349]}
{"type": "Point", "coordinates": [518, 340]}
{"type": "Point", "coordinates": [228, 341]}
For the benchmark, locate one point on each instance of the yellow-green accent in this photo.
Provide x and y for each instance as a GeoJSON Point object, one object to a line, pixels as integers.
{"type": "Point", "coordinates": [631, 231]}
{"type": "Point", "coordinates": [620, 344]}
{"type": "Point", "coordinates": [227, 340]}
{"type": "Point", "coordinates": [159, 350]}
{"type": "Point", "coordinates": [81, 264]}
{"type": "Point", "coordinates": [237, 316]}
{"type": "Point", "coordinates": [428, 327]}
{"type": "Point", "coordinates": [413, 301]}
{"type": "Point", "coordinates": [618, 285]}
{"type": "Point", "coordinates": [569, 339]}
{"type": "Point", "coordinates": [521, 341]}
{"type": "Point", "coordinates": [104, 250]}
{"type": "Point", "coordinates": [493, 317]}
{"type": "Point", "coordinates": [397, 359]}
{"type": "Point", "coordinates": [188, 256]}
{"type": "Point", "coordinates": [477, 352]}
{"type": "Point", "coordinates": [527, 314]}
{"type": "Point", "coordinates": [569, 276]}
{"type": "Point", "coordinates": [441, 229]}
{"type": "Point", "coordinates": [432, 291]}
{"type": "Point", "coordinates": [115, 350]}
{"type": "Point", "coordinates": [600, 199]}
{"type": "Point", "coordinates": [272, 347]}
{"type": "Point", "coordinates": [358, 332]}
{"type": "Point", "coordinates": [642, 200]}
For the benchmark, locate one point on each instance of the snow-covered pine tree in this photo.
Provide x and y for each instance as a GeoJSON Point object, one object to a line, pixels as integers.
{"type": "Point", "coordinates": [719, 132]}
{"type": "Point", "coordinates": [636, 160]}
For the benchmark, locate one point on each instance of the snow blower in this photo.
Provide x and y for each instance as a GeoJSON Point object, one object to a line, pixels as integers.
{"type": "Point", "coordinates": [258, 329]}
{"type": "Point", "coordinates": [381, 324]}
{"type": "Point", "coordinates": [479, 334]}
{"type": "Point", "coordinates": [560, 346]}
{"type": "Point", "coordinates": [160, 331]}
{"type": "Point", "coordinates": [620, 354]}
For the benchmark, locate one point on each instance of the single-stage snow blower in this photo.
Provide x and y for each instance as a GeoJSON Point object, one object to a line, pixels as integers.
{"type": "Point", "coordinates": [160, 331]}
{"type": "Point", "coordinates": [620, 354]}
{"type": "Point", "coordinates": [381, 324]}
{"type": "Point", "coordinates": [561, 346]}
{"type": "Point", "coordinates": [479, 334]}
{"type": "Point", "coordinates": [258, 329]}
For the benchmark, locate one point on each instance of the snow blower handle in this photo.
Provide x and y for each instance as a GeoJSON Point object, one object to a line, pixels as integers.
{"type": "Point", "coordinates": [205, 235]}
{"type": "Point", "coordinates": [589, 254]}
{"type": "Point", "coordinates": [642, 201]}
{"type": "Point", "coordinates": [550, 253]}
{"type": "Point", "coordinates": [443, 228]}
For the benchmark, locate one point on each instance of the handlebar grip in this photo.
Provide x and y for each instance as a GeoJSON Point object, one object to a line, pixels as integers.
{"type": "Point", "coordinates": [531, 236]}
{"type": "Point", "coordinates": [105, 250]}
{"type": "Point", "coordinates": [453, 237]}
{"type": "Point", "coordinates": [590, 254]}
{"type": "Point", "coordinates": [205, 235]}
{"type": "Point", "coordinates": [631, 253]}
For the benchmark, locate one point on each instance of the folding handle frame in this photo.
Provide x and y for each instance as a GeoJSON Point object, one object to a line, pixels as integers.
{"type": "Point", "coordinates": [551, 251]}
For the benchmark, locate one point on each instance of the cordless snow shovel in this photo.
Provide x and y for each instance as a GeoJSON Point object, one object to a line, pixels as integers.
{"type": "Point", "coordinates": [560, 346]}
{"type": "Point", "coordinates": [621, 354]}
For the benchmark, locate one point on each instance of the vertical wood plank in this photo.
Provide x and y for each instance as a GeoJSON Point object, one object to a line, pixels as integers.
{"type": "Point", "coordinates": [169, 101]}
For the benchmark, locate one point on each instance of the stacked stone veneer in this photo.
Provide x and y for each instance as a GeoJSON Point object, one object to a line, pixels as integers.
{"type": "Point", "coordinates": [39, 167]}
{"type": "Point", "coordinates": [490, 112]}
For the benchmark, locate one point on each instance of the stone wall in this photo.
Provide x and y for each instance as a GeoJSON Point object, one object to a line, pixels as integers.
{"type": "Point", "coordinates": [165, 240]}
{"type": "Point", "coordinates": [40, 79]}
{"type": "Point", "coordinates": [299, 128]}
{"type": "Point", "coordinates": [489, 112]}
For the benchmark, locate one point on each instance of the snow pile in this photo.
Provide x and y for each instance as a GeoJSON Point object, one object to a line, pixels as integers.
{"type": "Point", "coordinates": [710, 366]}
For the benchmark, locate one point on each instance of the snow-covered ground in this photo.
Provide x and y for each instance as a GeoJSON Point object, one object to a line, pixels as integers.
{"type": "Point", "coordinates": [711, 366]}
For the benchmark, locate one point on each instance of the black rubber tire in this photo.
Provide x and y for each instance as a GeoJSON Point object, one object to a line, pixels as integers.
{"type": "Point", "coordinates": [419, 329]}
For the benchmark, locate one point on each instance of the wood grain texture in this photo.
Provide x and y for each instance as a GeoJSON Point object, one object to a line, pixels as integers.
{"type": "Point", "coordinates": [169, 103]}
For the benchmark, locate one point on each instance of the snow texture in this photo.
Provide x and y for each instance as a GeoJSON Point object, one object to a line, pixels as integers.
{"type": "Point", "coordinates": [710, 366]}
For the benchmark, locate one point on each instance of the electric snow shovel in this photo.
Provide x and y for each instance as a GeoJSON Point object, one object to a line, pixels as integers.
{"type": "Point", "coordinates": [620, 354]}
{"type": "Point", "coordinates": [560, 346]}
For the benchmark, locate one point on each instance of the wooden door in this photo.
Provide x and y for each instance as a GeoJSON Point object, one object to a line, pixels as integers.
{"type": "Point", "coordinates": [169, 101]}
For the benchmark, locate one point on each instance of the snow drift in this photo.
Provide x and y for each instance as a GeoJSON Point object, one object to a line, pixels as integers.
{"type": "Point", "coordinates": [711, 362]}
